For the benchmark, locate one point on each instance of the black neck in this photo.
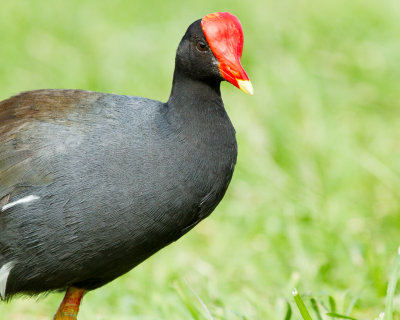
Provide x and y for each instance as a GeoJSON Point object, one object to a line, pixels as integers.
{"type": "Point", "coordinates": [187, 91]}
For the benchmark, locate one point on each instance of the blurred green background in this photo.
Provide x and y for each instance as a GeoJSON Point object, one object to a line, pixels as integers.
{"type": "Point", "coordinates": [314, 202]}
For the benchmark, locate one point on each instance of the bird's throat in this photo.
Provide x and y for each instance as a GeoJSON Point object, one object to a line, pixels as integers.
{"type": "Point", "coordinates": [188, 91]}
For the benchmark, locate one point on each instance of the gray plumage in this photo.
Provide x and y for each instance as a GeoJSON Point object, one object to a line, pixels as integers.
{"type": "Point", "coordinates": [116, 177]}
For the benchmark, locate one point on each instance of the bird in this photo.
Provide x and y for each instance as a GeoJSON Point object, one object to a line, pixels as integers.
{"type": "Point", "coordinates": [92, 184]}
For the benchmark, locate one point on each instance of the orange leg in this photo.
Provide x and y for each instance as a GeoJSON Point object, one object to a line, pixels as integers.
{"type": "Point", "coordinates": [69, 307]}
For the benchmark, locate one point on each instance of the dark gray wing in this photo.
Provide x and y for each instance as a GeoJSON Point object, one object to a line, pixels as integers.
{"type": "Point", "coordinates": [19, 115]}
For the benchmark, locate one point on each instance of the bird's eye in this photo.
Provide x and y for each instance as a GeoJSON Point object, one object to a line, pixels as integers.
{"type": "Point", "coordinates": [201, 46]}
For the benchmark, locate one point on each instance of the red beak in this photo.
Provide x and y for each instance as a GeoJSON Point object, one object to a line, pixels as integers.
{"type": "Point", "coordinates": [224, 35]}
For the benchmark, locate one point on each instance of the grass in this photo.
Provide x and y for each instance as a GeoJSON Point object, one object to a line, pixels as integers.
{"type": "Point", "coordinates": [314, 202]}
{"type": "Point", "coordinates": [330, 312]}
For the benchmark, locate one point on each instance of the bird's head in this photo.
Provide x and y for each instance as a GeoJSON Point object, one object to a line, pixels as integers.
{"type": "Point", "coordinates": [212, 48]}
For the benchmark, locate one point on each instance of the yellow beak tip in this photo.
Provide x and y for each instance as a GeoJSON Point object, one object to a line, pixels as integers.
{"type": "Point", "coordinates": [246, 86]}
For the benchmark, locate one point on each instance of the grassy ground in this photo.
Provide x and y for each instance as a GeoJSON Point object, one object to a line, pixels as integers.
{"type": "Point", "coordinates": [314, 202]}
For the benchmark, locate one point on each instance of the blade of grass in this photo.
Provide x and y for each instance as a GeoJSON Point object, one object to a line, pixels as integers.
{"type": "Point", "coordinates": [332, 304]}
{"type": "Point", "coordinates": [314, 305]}
{"type": "Point", "coordinates": [391, 288]}
{"type": "Point", "coordinates": [352, 304]}
{"type": "Point", "coordinates": [300, 304]}
{"type": "Point", "coordinates": [239, 316]}
{"type": "Point", "coordinates": [288, 315]}
{"type": "Point", "coordinates": [186, 301]}
{"type": "Point", "coordinates": [203, 305]}
{"type": "Point", "coordinates": [340, 316]}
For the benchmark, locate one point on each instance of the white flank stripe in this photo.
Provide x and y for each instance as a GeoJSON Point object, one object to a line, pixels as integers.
{"type": "Point", "coordinates": [20, 201]}
{"type": "Point", "coordinates": [4, 272]}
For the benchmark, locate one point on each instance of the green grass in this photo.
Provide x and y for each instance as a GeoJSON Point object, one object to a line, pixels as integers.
{"type": "Point", "coordinates": [315, 199]}
{"type": "Point", "coordinates": [330, 312]}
